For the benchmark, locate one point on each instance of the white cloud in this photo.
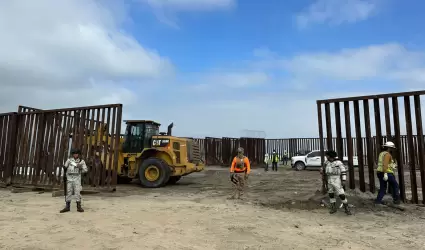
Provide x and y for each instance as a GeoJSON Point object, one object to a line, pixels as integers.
{"type": "Point", "coordinates": [240, 79]}
{"type": "Point", "coordinates": [391, 61]}
{"type": "Point", "coordinates": [287, 108]}
{"type": "Point", "coordinates": [191, 5]}
{"type": "Point", "coordinates": [230, 80]}
{"type": "Point", "coordinates": [166, 10]}
{"type": "Point", "coordinates": [70, 52]}
{"type": "Point", "coordinates": [336, 12]}
{"type": "Point", "coordinates": [73, 53]}
{"type": "Point", "coordinates": [45, 98]}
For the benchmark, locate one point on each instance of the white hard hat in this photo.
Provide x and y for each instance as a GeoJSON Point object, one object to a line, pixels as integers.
{"type": "Point", "coordinates": [389, 144]}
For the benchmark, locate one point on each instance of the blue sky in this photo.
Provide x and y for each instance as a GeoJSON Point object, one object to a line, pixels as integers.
{"type": "Point", "coordinates": [217, 67]}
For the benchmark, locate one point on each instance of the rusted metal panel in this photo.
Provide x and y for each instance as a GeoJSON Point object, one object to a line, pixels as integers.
{"type": "Point", "coordinates": [387, 129]}
{"type": "Point", "coordinates": [420, 142]}
{"type": "Point", "coordinates": [3, 143]}
{"type": "Point", "coordinates": [339, 142]}
{"type": "Point", "coordinates": [254, 149]}
{"type": "Point", "coordinates": [378, 127]}
{"type": "Point", "coordinates": [116, 145]}
{"type": "Point", "coordinates": [328, 127]}
{"type": "Point", "coordinates": [369, 97]}
{"type": "Point", "coordinates": [398, 143]}
{"type": "Point", "coordinates": [387, 118]}
{"type": "Point", "coordinates": [103, 148]}
{"type": "Point", "coordinates": [41, 129]}
{"type": "Point", "coordinates": [349, 140]}
{"type": "Point", "coordinates": [111, 131]}
{"type": "Point", "coordinates": [322, 147]}
{"type": "Point", "coordinates": [91, 148]}
{"type": "Point", "coordinates": [229, 147]}
{"type": "Point", "coordinates": [213, 154]}
{"type": "Point", "coordinates": [49, 150]}
{"type": "Point", "coordinates": [75, 109]}
{"type": "Point", "coordinates": [411, 152]}
{"type": "Point", "coordinates": [369, 147]}
{"type": "Point", "coordinates": [36, 143]}
{"type": "Point", "coordinates": [410, 147]}
{"type": "Point", "coordinates": [13, 122]}
{"type": "Point", "coordinates": [359, 145]}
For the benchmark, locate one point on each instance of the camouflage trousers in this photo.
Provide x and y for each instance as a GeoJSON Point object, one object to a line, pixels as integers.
{"type": "Point", "coordinates": [73, 188]}
{"type": "Point", "coordinates": [239, 186]}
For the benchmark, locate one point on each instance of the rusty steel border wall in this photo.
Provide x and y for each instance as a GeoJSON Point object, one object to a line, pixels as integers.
{"type": "Point", "coordinates": [410, 153]}
{"type": "Point", "coordinates": [35, 143]}
{"type": "Point", "coordinates": [220, 151]}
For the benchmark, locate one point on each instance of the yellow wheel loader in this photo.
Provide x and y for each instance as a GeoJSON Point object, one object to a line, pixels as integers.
{"type": "Point", "coordinates": [156, 159]}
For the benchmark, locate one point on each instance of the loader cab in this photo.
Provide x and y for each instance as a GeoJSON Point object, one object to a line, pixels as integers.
{"type": "Point", "coordinates": [138, 135]}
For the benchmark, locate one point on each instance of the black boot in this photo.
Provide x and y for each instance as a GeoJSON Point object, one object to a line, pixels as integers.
{"type": "Point", "coordinates": [67, 207]}
{"type": "Point", "coordinates": [396, 201]}
{"type": "Point", "coordinates": [347, 209]}
{"type": "Point", "coordinates": [79, 208]}
{"type": "Point", "coordinates": [332, 208]}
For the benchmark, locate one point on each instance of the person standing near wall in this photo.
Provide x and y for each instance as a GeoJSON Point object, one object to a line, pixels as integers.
{"type": "Point", "coordinates": [385, 173]}
{"type": "Point", "coordinates": [239, 172]}
{"type": "Point", "coordinates": [266, 162]}
{"type": "Point", "coordinates": [275, 160]}
{"type": "Point", "coordinates": [336, 176]}
{"type": "Point", "coordinates": [285, 157]}
{"type": "Point", "coordinates": [74, 167]}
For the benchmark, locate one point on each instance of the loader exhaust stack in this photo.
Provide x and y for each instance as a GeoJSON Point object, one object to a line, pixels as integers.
{"type": "Point", "coordinates": [170, 127]}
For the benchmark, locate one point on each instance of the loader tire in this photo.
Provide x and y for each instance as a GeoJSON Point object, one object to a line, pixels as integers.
{"type": "Point", "coordinates": [173, 180]}
{"type": "Point", "coordinates": [154, 173]}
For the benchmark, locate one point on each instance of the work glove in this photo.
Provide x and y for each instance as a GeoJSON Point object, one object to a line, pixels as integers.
{"type": "Point", "coordinates": [395, 166]}
{"type": "Point", "coordinates": [233, 179]}
{"type": "Point", "coordinates": [385, 177]}
{"type": "Point", "coordinates": [343, 185]}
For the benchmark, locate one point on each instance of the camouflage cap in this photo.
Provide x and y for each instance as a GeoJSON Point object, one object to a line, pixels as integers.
{"type": "Point", "coordinates": [75, 151]}
{"type": "Point", "coordinates": [331, 153]}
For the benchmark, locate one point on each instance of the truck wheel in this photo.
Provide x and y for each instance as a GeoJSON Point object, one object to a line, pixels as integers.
{"type": "Point", "coordinates": [173, 180]}
{"type": "Point", "coordinates": [299, 166]}
{"type": "Point", "coordinates": [154, 173]}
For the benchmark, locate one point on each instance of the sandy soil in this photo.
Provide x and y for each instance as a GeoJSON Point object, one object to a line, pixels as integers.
{"type": "Point", "coordinates": [280, 211]}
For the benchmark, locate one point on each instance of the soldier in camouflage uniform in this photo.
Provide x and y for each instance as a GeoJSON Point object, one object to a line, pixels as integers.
{"type": "Point", "coordinates": [74, 167]}
{"type": "Point", "coordinates": [239, 172]}
{"type": "Point", "coordinates": [336, 176]}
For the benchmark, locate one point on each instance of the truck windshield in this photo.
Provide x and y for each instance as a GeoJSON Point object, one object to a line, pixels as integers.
{"type": "Point", "coordinates": [138, 136]}
{"type": "Point", "coordinates": [151, 130]}
{"type": "Point", "coordinates": [133, 138]}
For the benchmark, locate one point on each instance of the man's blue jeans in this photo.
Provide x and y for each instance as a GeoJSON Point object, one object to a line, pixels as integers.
{"type": "Point", "coordinates": [383, 188]}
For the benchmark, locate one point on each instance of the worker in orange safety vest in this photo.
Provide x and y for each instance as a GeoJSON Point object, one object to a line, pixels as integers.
{"type": "Point", "coordinates": [239, 172]}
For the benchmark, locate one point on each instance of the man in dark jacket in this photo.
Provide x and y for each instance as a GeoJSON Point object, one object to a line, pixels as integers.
{"type": "Point", "coordinates": [275, 160]}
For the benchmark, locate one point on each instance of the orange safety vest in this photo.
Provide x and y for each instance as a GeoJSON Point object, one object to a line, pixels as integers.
{"type": "Point", "coordinates": [240, 165]}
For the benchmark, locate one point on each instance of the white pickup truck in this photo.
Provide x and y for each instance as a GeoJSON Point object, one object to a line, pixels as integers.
{"type": "Point", "coordinates": [312, 160]}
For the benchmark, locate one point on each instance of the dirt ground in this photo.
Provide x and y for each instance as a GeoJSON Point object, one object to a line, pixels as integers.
{"type": "Point", "coordinates": [281, 210]}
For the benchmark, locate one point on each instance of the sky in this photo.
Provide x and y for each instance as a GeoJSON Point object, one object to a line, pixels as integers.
{"type": "Point", "coordinates": [220, 68]}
